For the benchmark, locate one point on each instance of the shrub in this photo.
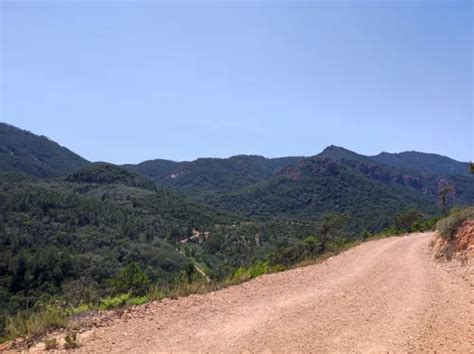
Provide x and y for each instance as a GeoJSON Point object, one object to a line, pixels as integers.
{"type": "Point", "coordinates": [51, 343]}
{"type": "Point", "coordinates": [404, 222]}
{"type": "Point", "coordinates": [240, 275]}
{"type": "Point", "coordinates": [243, 274]}
{"type": "Point", "coordinates": [33, 323]}
{"type": "Point", "coordinates": [448, 226]}
{"type": "Point", "coordinates": [138, 300]}
{"type": "Point", "coordinates": [71, 341]}
{"type": "Point", "coordinates": [113, 302]}
{"type": "Point", "coordinates": [131, 279]}
{"type": "Point", "coordinates": [81, 308]}
{"type": "Point", "coordinates": [425, 225]}
{"type": "Point", "coordinates": [155, 293]}
{"type": "Point", "coordinates": [258, 269]}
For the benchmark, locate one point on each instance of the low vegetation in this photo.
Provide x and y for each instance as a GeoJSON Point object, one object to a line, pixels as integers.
{"type": "Point", "coordinates": [456, 236]}
{"type": "Point", "coordinates": [51, 344]}
{"type": "Point", "coordinates": [448, 226]}
{"type": "Point", "coordinates": [71, 341]}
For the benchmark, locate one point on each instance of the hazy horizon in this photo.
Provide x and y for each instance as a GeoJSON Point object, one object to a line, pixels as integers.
{"type": "Point", "coordinates": [125, 82]}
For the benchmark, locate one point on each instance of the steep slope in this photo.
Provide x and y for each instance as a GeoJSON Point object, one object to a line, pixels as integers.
{"type": "Point", "coordinates": [25, 152]}
{"type": "Point", "coordinates": [208, 176]}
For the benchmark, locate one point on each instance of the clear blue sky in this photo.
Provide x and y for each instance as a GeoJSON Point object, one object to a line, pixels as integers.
{"type": "Point", "coordinates": [126, 81]}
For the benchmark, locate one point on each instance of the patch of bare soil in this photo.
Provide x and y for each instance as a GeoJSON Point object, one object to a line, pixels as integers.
{"type": "Point", "coordinates": [461, 248]}
{"type": "Point", "coordinates": [384, 295]}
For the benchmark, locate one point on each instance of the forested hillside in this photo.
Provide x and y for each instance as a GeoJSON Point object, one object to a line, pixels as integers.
{"type": "Point", "coordinates": [25, 152]}
{"type": "Point", "coordinates": [205, 177]}
{"type": "Point", "coordinates": [318, 186]}
{"type": "Point", "coordinates": [431, 164]}
{"type": "Point", "coordinates": [70, 240]}
{"type": "Point", "coordinates": [414, 179]}
{"type": "Point", "coordinates": [74, 232]}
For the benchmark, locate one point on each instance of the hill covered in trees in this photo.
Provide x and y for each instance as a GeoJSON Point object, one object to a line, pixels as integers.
{"type": "Point", "coordinates": [73, 232]}
{"type": "Point", "coordinates": [430, 164]}
{"type": "Point", "coordinates": [416, 175]}
{"type": "Point", "coordinates": [104, 173]}
{"type": "Point", "coordinates": [319, 185]}
{"type": "Point", "coordinates": [30, 154]}
{"type": "Point", "coordinates": [207, 176]}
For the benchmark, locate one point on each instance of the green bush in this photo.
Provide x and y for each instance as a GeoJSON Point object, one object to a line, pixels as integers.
{"type": "Point", "coordinates": [130, 279]}
{"type": "Point", "coordinates": [258, 269]}
{"type": "Point", "coordinates": [448, 226]}
{"type": "Point", "coordinates": [113, 302]}
{"type": "Point", "coordinates": [138, 300]}
{"type": "Point", "coordinates": [240, 275]}
{"type": "Point", "coordinates": [81, 308]}
{"type": "Point", "coordinates": [425, 225]}
{"type": "Point", "coordinates": [404, 222]}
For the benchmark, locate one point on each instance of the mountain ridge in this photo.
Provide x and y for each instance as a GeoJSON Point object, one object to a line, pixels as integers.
{"type": "Point", "coordinates": [31, 154]}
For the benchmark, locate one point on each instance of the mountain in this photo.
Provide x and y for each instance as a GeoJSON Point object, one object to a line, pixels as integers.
{"type": "Point", "coordinates": [318, 185]}
{"type": "Point", "coordinates": [209, 176]}
{"type": "Point", "coordinates": [338, 180]}
{"type": "Point", "coordinates": [70, 237]}
{"type": "Point", "coordinates": [431, 164]}
{"type": "Point", "coordinates": [30, 154]}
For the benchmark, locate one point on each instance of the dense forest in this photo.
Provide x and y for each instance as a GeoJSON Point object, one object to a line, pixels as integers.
{"type": "Point", "coordinates": [78, 232]}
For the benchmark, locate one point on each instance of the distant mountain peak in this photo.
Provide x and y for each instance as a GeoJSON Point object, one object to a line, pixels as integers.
{"type": "Point", "coordinates": [338, 152]}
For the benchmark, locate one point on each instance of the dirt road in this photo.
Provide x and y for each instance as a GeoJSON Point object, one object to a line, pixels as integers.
{"type": "Point", "coordinates": [385, 295]}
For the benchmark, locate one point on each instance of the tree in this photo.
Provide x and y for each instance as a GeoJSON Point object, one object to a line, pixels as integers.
{"type": "Point", "coordinates": [445, 195]}
{"type": "Point", "coordinates": [404, 221]}
{"type": "Point", "coordinates": [130, 279]}
{"type": "Point", "coordinates": [328, 226]}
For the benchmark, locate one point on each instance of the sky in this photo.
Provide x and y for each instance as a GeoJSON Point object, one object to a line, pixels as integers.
{"type": "Point", "coordinates": [128, 81]}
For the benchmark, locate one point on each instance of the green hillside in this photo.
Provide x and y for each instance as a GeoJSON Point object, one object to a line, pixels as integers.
{"type": "Point", "coordinates": [431, 164]}
{"type": "Point", "coordinates": [30, 154]}
{"type": "Point", "coordinates": [317, 186]}
{"type": "Point", "coordinates": [207, 176]}
{"type": "Point", "coordinates": [104, 173]}
{"type": "Point", "coordinates": [69, 229]}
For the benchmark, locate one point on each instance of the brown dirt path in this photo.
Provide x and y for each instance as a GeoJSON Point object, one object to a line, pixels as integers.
{"type": "Point", "coordinates": [384, 295]}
